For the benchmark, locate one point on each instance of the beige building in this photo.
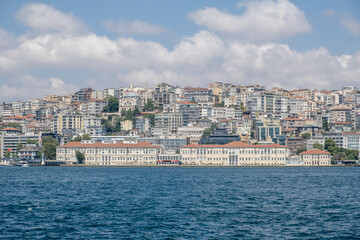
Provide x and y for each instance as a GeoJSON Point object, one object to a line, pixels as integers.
{"type": "Point", "coordinates": [118, 153]}
{"type": "Point", "coordinates": [68, 122]}
{"type": "Point", "coordinates": [316, 157]}
{"type": "Point", "coordinates": [235, 154]}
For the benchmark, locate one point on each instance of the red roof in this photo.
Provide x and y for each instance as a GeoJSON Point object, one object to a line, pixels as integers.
{"type": "Point", "coordinates": [354, 133]}
{"type": "Point", "coordinates": [185, 102]}
{"type": "Point", "coordinates": [15, 117]}
{"type": "Point", "coordinates": [97, 100]}
{"type": "Point", "coordinates": [9, 129]}
{"type": "Point", "coordinates": [109, 145]}
{"type": "Point", "coordinates": [235, 144]}
{"type": "Point", "coordinates": [315, 151]}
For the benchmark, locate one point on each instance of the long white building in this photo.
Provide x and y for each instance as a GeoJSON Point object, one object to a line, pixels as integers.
{"type": "Point", "coordinates": [234, 154]}
{"type": "Point", "coordinates": [116, 153]}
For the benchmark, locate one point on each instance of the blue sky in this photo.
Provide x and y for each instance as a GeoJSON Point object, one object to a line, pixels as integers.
{"type": "Point", "coordinates": [56, 47]}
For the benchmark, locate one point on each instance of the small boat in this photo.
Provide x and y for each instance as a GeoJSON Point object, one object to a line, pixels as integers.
{"type": "Point", "coordinates": [24, 165]}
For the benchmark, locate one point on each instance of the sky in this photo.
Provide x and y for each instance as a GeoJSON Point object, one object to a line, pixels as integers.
{"type": "Point", "coordinates": [60, 46]}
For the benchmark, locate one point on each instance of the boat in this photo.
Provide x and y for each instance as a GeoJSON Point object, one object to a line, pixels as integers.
{"type": "Point", "coordinates": [24, 165]}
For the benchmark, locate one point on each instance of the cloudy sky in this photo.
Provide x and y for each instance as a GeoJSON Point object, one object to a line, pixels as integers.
{"type": "Point", "coordinates": [57, 47]}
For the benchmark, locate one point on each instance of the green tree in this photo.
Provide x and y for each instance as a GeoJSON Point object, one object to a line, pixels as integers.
{"type": "Point", "coordinates": [300, 150]}
{"type": "Point", "coordinates": [221, 104]}
{"type": "Point", "coordinates": [79, 138]}
{"type": "Point", "coordinates": [7, 154]}
{"type": "Point", "coordinates": [31, 141]}
{"type": "Point", "coordinates": [49, 146]}
{"type": "Point", "coordinates": [318, 146]}
{"type": "Point", "coordinates": [306, 135]}
{"type": "Point", "coordinates": [330, 145]}
{"type": "Point", "coordinates": [209, 130]}
{"type": "Point", "coordinates": [325, 125]}
{"type": "Point", "coordinates": [19, 146]}
{"type": "Point", "coordinates": [112, 104]}
{"type": "Point", "coordinates": [151, 117]}
{"type": "Point", "coordinates": [149, 105]}
{"type": "Point", "coordinates": [80, 157]}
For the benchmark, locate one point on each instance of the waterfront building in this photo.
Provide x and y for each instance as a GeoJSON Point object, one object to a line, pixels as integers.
{"type": "Point", "coordinates": [316, 157]}
{"type": "Point", "coordinates": [9, 142]}
{"type": "Point", "coordinates": [29, 152]}
{"type": "Point", "coordinates": [118, 153]}
{"type": "Point", "coordinates": [169, 157]}
{"type": "Point", "coordinates": [234, 154]}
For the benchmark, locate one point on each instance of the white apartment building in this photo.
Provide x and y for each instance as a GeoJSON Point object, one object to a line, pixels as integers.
{"type": "Point", "coordinates": [234, 154]}
{"type": "Point", "coordinates": [194, 133]}
{"type": "Point", "coordinates": [115, 153]}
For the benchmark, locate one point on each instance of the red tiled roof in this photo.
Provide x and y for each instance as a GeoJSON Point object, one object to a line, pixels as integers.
{"type": "Point", "coordinates": [315, 151]}
{"type": "Point", "coordinates": [109, 145]}
{"type": "Point", "coordinates": [354, 133]}
{"type": "Point", "coordinates": [15, 117]}
{"type": "Point", "coordinates": [9, 129]}
{"type": "Point", "coordinates": [185, 102]}
{"type": "Point", "coordinates": [97, 100]}
{"type": "Point", "coordinates": [235, 144]}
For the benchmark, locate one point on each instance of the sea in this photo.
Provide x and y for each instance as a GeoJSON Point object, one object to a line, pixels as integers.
{"type": "Point", "coordinates": [179, 203]}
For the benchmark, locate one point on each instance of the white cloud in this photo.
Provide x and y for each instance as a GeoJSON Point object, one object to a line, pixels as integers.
{"type": "Point", "coordinates": [51, 63]}
{"type": "Point", "coordinates": [42, 18]}
{"type": "Point", "coordinates": [133, 27]}
{"type": "Point", "coordinates": [264, 20]}
{"type": "Point", "coordinates": [351, 24]}
{"type": "Point", "coordinates": [26, 86]}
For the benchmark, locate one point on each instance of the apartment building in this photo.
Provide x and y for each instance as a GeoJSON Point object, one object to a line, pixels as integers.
{"type": "Point", "coordinates": [66, 123]}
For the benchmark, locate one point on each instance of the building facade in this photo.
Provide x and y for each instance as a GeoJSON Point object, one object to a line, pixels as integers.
{"type": "Point", "coordinates": [116, 153]}
{"type": "Point", "coordinates": [316, 157]}
{"type": "Point", "coordinates": [234, 154]}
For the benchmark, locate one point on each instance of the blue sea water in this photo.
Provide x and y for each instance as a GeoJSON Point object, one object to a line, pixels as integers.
{"type": "Point", "coordinates": [179, 203]}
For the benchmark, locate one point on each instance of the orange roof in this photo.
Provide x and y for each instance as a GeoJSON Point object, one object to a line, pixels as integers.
{"type": "Point", "coordinates": [347, 133]}
{"type": "Point", "coordinates": [97, 100]}
{"type": "Point", "coordinates": [225, 120]}
{"type": "Point", "coordinates": [9, 129]}
{"type": "Point", "coordinates": [235, 144]}
{"type": "Point", "coordinates": [185, 102]}
{"type": "Point", "coordinates": [109, 145]}
{"type": "Point", "coordinates": [15, 117]}
{"type": "Point", "coordinates": [315, 151]}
